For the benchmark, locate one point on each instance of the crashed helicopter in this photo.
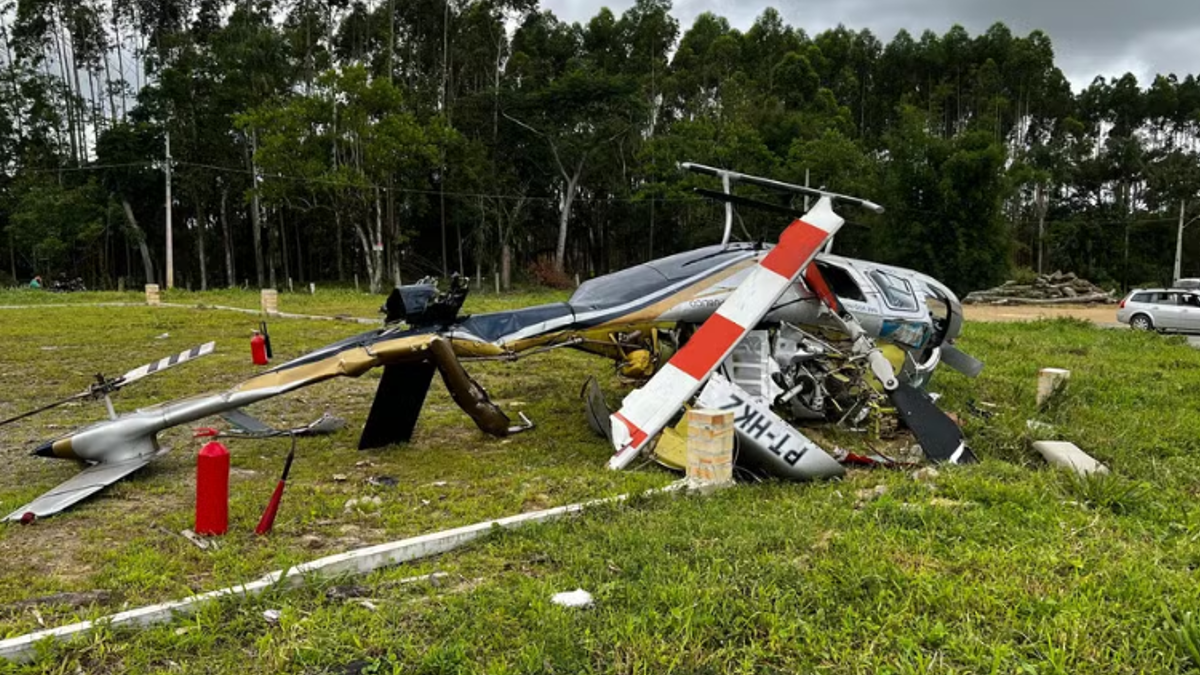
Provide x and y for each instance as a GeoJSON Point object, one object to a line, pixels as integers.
{"type": "Point", "coordinates": [745, 326]}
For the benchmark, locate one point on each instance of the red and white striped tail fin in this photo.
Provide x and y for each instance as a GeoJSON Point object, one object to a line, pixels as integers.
{"type": "Point", "coordinates": [646, 411]}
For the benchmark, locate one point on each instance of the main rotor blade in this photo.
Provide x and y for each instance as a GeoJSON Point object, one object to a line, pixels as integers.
{"type": "Point", "coordinates": [166, 362]}
{"type": "Point", "coordinates": [645, 411]}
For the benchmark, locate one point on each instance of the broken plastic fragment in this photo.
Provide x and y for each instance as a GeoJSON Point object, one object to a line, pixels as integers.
{"type": "Point", "coordinates": [575, 598]}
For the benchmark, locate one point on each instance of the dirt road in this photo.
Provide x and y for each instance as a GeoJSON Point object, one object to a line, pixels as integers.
{"type": "Point", "coordinates": [1099, 314]}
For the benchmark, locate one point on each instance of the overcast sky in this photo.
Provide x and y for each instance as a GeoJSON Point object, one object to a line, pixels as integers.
{"type": "Point", "coordinates": [1107, 37]}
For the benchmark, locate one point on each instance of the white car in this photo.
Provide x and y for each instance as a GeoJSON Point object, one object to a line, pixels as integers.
{"type": "Point", "coordinates": [1164, 309]}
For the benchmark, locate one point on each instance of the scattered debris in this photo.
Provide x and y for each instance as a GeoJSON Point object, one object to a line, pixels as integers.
{"type": "Point", "coordinates": [942, 502]}
{"type": "Point", "coordinates": [200, 542]}
{"type": "Point", "coordinates": [438, 483]}
{"type": "Point", "coordinates": [73, 600]}
{"type": "Point", "coordinates": [362, 504]}
{"type": "Point", "coordinates": [866, 495]}
{"type": "Point", "coordinates": [575, 598]}
{"type": "Point", "coordinates": [383, 481]}
{"type": "Point", "coordinates": [340, 478]}
{"type": "Point", "coordinates": [164, 336]}
{"type": "Point", "coordinates": [982, 409]}
{"type": "Point", "coordinates": [1064, 454]}
{"type": "Point", "coordinates": [925, 474]}
{"type": "Point", "coordinates": [1038, 425]}
{"type": "Point", "coordinates": [1057, 288]}
{"type": "Point", "coordinates": [272, 616]}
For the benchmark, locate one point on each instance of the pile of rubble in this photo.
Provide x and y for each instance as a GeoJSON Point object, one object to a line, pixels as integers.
{"type": "Point", "coordinates": [1047, 289]}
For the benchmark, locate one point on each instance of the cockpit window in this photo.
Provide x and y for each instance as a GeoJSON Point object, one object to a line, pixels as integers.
{"type": "Point", "coordinates": [840, 282]}
{"type": "Point", "coordinates": [897, 292]}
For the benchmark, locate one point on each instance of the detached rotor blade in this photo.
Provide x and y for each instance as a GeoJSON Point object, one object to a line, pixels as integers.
{"type": "Point", "coordinates": [166, 362]}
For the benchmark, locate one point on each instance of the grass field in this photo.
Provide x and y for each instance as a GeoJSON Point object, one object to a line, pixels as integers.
{"type": "Point", "coordinates": [1003, 567]}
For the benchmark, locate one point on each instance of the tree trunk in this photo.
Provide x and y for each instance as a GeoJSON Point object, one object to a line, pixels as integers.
{"type": "Point", "coordinates": [1041, 208]}
{"type": "Point", "coordinates": [147, 263]}
{"type": "Point", "coordinates": [255, 223]}
{"type": "Point", "coordinates": [287, 268]}
{"type": "Point", "coordinates": [341, 264]}
{"type": "Point", "coordinates": [230, 272]}
{"type": "Point", "coordinates": [564, 217]}
{"type": "Point", "coordinates": [368, 253]}
{"type": "Point", "coordinates": [299, 255]}
{"type": "Point", "coordinates": [376, 249]}
{"type": "Point", "coordinates": [272, 251]}
{"type": "Point", "coordinates": [506, 266]}
{"type": "Point", "coordinates": [201, 232]}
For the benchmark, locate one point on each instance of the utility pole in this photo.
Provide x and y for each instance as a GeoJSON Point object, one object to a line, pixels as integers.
{"type": "Point", "coordinates": [170, 238]}
{"type": "Point", "coordinates": [1179, 239]}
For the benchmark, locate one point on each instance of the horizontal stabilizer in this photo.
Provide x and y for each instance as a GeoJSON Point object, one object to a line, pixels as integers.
{"type": "Point", "coordinates": [86, 483]}
{"type": "Point", "coordinates": [243, 421]}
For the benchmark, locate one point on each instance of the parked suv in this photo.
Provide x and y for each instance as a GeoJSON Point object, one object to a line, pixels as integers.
{"type": "Point", "coordinates": [1166, 309]}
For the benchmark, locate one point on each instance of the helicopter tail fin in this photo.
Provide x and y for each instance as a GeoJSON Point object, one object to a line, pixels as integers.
{"type": "Point", "coordinates": [397, 404]}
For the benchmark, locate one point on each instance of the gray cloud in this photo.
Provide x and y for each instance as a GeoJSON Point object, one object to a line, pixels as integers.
{"type": "Point", "coordinates": [1091, 37]}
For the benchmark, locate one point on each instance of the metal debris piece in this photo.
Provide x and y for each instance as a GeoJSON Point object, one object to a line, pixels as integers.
{"type": "Point", "coordinates": [578, 598]}
{"type": "Point", "coordinates": [1064, 454]}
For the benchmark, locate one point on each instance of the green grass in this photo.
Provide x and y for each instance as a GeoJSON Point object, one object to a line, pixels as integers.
{"type": "Point", "coordinates": [1003, 567]}
{"type": "Point", "coordinates": [327, 301]}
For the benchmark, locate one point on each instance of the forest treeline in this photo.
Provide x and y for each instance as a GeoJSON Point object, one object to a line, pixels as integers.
{"type": "Point", "coordinates": [332, 139]}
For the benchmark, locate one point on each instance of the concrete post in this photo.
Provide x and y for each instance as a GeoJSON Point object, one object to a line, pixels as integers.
{"type": "Point", "coordinates": [152, 296]}
{"type": "Point", "coordinates": [1050, 381]}
{"type": "Point", "coordinates": [270, 301]}
{"type": "Point", "coordinates": [710, 449]}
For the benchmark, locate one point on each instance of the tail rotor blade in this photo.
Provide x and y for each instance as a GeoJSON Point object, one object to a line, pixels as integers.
{"type": "Point", "coordinates": [166, 362]}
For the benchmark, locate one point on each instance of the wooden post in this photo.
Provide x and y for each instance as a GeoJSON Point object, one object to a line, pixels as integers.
{"type": "Point", "coordinates": [1050, 382]}
{"type": "Point", "coordinates": [120, 284]}
{"type": "Point", "coordinates": [497, 283]}
{"type": "Point", "coordinates": [709, 449]}
{"type": "Point", "coordinates": [152, 296]}
{"type": "Point", "coordinates": [270, 301]}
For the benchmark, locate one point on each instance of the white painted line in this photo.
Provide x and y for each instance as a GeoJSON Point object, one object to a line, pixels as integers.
{"type": "Point", "coordinates": [360, 561]}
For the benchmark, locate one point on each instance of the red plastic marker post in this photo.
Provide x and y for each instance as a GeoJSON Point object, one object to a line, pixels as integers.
{"type": "Point", "coordinates": [258, 349]}
{"type": "Point", "coordinates": [212, 490]}
{"type": "Point", "coordinates": [268, 517]}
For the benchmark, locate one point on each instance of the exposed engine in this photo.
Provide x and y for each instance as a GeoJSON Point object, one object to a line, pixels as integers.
{"type": "Point", "coordinates": [805, 378]}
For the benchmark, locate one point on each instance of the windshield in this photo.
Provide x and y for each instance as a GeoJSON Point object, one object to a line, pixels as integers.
{"type": "Point", "coordinates": [897, 293]}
